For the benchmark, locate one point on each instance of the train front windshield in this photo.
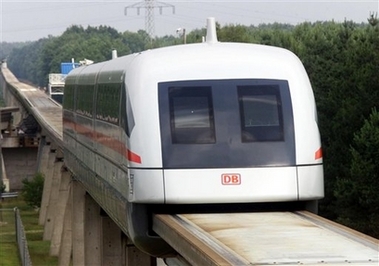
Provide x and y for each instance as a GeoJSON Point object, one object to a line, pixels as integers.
{"type": "Point", "coordinates": [226, 124]}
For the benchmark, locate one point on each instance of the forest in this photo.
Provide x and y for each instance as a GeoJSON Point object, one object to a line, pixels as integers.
{"type": "Point", "coordinates": [342, 61]}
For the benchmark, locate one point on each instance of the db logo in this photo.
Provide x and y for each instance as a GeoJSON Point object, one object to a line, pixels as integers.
{"type": "Point", "coordinates": [231, 179]}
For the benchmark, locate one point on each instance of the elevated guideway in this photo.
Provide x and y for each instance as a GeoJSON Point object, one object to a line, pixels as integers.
{"type": "Point", "coordinates": [47, 112]}
{"type": "Point", "coordinates": [258, 238]}
{"type": "Point", "coordinates": [265, 238]}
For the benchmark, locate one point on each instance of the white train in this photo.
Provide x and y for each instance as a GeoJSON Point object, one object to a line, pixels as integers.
{"type": "Point", "coordinates": [210, 123]}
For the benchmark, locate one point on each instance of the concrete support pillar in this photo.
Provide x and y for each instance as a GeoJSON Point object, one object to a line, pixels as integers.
{"type": "Point", "coordinates": [65, 250]}
{"type": "Point", "coordinates": [51, 213]}
{"type": "Point", "coordinates": [91, 238]}
{"type": "Point", "coordinates": [92, 232]}
{"type": "Point", "coordinates": [47, 168]}
{"type": "Point", "coordinates": [4, 177]}
{"type": "Point", "coordinates": [59, 212]}
{"type": "Point", "coordinates": [43, 155]}
{"type": "Point", "coordinates": [78, 211]}
{"type": "Point", "coordinates": [112, 251]}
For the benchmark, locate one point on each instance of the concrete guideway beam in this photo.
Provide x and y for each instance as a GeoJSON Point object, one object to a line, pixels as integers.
{"type": "Point", "coordinates": [92, 232]}
{"type": "Point", "coordinates": [54, 199]}
{"type": "Point", "coordinates": [46, 167]}
{"type": "Point", "coordinates": [78, 217]}
{"type": "Point", "coordinates": [65, 249]}
{"type": "Point", "coordinates": [61, 208]}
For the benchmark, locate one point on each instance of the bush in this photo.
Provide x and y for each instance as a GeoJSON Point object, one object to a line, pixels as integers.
{"type": "Point", "coordinates": [2, 187]}
{"type": "Point", "coordinates": [32, 190]}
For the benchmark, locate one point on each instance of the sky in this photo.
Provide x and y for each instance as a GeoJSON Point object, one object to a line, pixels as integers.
{"type": "Point", "coordinates": [30, 20]}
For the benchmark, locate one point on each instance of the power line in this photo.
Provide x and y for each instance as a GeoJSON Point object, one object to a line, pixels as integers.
{"type": "Point", "coordinates": [149, 6]}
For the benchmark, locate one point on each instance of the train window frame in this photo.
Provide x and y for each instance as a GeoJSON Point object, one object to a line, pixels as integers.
{"type": "Point", "coordinates": [200, 130]}
{"type": "Point", "coordinates": [127, 116]}
{"type": "Point", "coordinates": [263, 96]}
{"type": "Point", "coordinates": [229, 150]}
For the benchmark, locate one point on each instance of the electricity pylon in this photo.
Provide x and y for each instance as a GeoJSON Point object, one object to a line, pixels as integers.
{"type": "Point", "coordinates": [149, 6]}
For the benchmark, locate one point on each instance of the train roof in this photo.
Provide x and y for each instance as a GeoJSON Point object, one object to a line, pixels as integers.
{"type": "Point", "coordinates": [212, 58]}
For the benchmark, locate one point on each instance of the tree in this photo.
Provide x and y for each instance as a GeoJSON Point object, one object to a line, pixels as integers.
{"type": "Point", "coordinates": [25, 62]}
{"type": "Point", "coordinates": [33, 62]}
{"type": "Point", "coordinates": [373, 19]}
{"type": "Point", "coordinates": [137, 42]}
{"type": "Point", "coordinates": [358, 196]}
{"type": "Point", "coordinates": [6, 48]}
{"type": "Point", "coordinates": [234, 33]}
{"type": "Point", "coordinates": [32, 190]}
{"type": "Point", "coordinates": [95, 43]}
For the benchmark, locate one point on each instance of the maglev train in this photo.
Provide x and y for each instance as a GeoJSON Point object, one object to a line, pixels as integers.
{"type": "Point", "coordinates": [208, 123]}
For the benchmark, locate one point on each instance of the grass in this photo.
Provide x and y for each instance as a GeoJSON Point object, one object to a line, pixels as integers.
{"type": "Point", "coordinates": [38, 249]}
{"type": "Point", "coordinates": [8, 246]}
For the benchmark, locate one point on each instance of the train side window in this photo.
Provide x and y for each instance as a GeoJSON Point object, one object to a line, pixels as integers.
{"type": "Point", "coordinates": [68, 102]}
{"type": "Point", "coordinates": [108, 102]}
{"type": "Point", "coordinates": [261, 113]}
{"type": "Point", "coordinates": [191, 115]}
{"type": "Point", "coordinates": [127, 117]}
{"type": "Point", "coordinates": [84, 100]}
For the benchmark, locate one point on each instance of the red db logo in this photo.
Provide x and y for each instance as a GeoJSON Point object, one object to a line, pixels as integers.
{"type": "Point", "coordinates": [231, 179]}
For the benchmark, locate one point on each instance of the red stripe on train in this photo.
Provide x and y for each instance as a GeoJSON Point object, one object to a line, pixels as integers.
{"type": "Point", "coordinates": [318, 154]}
{"type": "Point", "coordinates": [105, 140]}
{"type": "Point", "coordinates": [131, 156]}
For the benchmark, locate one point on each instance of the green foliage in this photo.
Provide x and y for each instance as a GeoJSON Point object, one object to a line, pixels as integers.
{"type": "Point", "coordinates": [196, 36]}
{"type": "Point", "coordinates": [32, 190]}
{"type": "Point", "coordinates": [2, 186]}
{"type": "Point", "coordinates": [6, 48]}
{"type": "Point", "coordinates": [340, 59]}
{"type": "Point", "coordinates": [25, 62]}
{"type": "Point", "coordinates": [137, 42]}
{"type": "Point", "coordinates": [358, 196]}
{"type": "Point", "coordinates": [234, 33]}
{"type": "Point", "coordinates": [35, 61]}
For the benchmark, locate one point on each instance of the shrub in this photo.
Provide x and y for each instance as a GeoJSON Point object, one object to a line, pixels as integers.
{"type": "Point", "coordinates": [2, 187]}
{"type": "Point", "coordinates": [32, 190]}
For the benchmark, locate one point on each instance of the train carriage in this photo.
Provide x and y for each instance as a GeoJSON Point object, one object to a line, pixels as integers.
{"type": "Point", "coordinates": [207, 123]}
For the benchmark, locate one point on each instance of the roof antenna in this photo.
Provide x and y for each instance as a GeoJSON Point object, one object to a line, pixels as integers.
{"type": "Point", "coordinates": [211, 31]}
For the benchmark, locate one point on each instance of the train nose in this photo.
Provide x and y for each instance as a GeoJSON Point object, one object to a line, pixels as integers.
{"type": "Point", "coordinates": [265, 184]}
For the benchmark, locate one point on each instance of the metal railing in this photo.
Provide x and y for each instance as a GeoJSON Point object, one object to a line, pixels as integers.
{"type": "Point", "coordinates": [21, 240]}
{"type": "Point", "coordinates": [4, 195]}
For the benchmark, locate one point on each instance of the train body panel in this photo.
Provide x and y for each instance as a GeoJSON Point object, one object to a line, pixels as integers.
{"type": "Point", "coordinates": [310, 182]}
{"type": "Point", "coordinates": [154, 193]}
{"type": "Point", "coordinates": [209, 123]}
{"type": "Point", "coordinates": [239, 185]}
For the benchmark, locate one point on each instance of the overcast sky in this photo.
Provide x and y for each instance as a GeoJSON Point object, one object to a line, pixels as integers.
{"type": "Point", "coordinates": [30, 20]}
